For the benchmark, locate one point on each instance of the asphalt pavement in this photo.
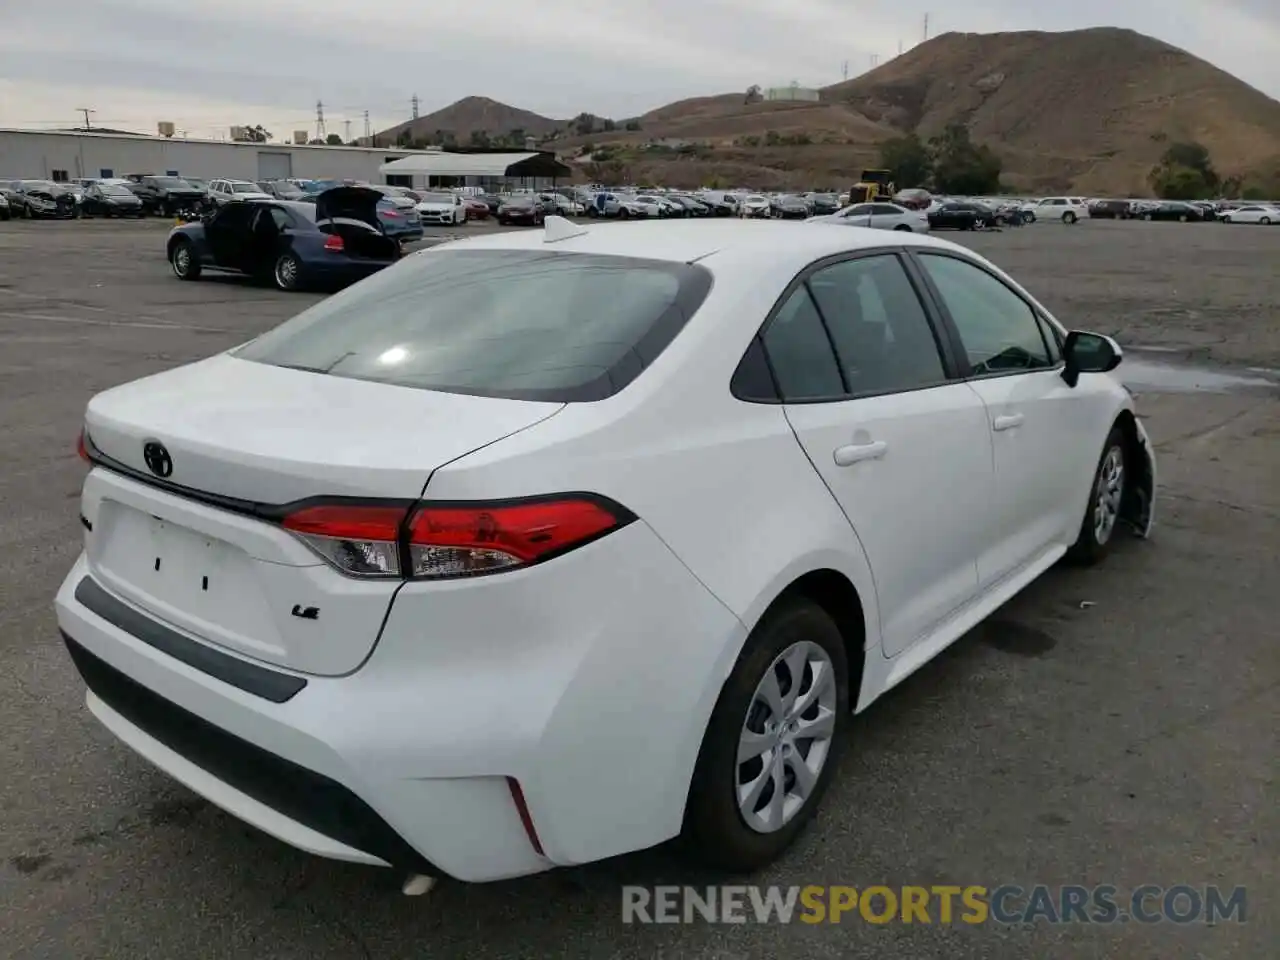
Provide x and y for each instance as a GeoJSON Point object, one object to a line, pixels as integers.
{"type": "Point", "coordinates": [1115, 725]}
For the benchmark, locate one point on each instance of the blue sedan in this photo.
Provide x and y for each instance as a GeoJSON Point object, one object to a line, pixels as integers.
{"type": "Point", "coordinates": [336, 240]}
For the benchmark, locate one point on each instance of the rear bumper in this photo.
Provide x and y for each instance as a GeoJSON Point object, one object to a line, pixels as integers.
{"type": "Point", "coordinates": [562, 677]}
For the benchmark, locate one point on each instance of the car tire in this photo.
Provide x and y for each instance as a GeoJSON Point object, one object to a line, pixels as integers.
{"type": "Point", "coordinates": [1182, 218]}
{"type": "Point", "coordinates": [1030, 218]}
{"type": "Point", "coordinates": [1265, 221]}
{"type": "Point", "coordinates": [1146, 216]}
{"type": "Point", "coordinates": [902, 227]}
{"type": "Point", "coordinates": [1106, 494]}
{"type": "Point", "coordinates": [1068, 217]}
{"type": "Point", "coordinates": [1228, 220]}
{"type": "Point", "coordinates": [183, 259]}
{"type": "Point", "coordinates": [716, 829]}
{"type": "Point", "coordinates": [287, 273]}
{"type": "Point", "coordinates": [624, 214]}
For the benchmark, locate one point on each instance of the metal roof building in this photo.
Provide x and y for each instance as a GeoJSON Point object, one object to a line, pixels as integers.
{"type": "Point", "coordinates": [476, 168]}
{"type": "Point", "coordinates": [68, 154]}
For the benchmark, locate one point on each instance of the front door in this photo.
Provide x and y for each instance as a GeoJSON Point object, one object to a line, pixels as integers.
{"type": "Point", "coordinates": [228, 235]}
{"type": "Point", "coordinates": [1043, 432]}
{"type": "Point", "coordinates": [904, 449]}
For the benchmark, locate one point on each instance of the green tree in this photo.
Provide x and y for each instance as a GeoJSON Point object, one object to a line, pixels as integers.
{"type": "Point", "coordinates": [962, 167]}
{"type": "Point", "coordinates": [480, 139]}
{"type": "Point", "coordinates": [633, 124]}
{"type": "Point", "coordinates": [909, 159]}
{"type": "Point", "coordinates": [584, 124]}
{"type": "Point", "coordinates": [609, 126]}
{"type": "Point", "coordinates": [1185, 172]}
{"type": "Point", "coordinates": [256, 134]}
{"type": "Point", "coordinates": [333, 140]}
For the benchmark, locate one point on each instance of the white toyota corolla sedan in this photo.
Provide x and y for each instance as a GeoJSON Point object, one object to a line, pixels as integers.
{"type": "Point", "coordinates": [541, 547]}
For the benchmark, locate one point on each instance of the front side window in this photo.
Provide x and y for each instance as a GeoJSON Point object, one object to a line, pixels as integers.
{"type": "Point", "coordinates": [998, 329]}
{"type": "Point", "coordinates": [882, 334]}
{"type": "Point", "coordinates": [519, 324]}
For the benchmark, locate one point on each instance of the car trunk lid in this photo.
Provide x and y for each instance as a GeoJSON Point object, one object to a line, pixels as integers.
{"type": "Point", "coordinates": [350, 203]}
{"type": "Point", "coordinates": [197, 464]}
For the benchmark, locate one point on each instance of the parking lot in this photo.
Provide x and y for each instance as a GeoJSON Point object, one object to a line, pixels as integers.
{"type": "Point", "coordinates": [1115, 725]}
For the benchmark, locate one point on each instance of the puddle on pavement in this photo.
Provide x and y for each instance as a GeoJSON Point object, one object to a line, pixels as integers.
{"type": "Point", "coordinates": [1147, 370]}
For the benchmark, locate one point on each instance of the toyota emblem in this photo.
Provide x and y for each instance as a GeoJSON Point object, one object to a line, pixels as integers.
{"type": "Point", "coordinates": [157, 458]}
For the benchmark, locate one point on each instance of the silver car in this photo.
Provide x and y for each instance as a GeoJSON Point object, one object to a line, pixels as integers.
{"type": "Point", "coordinates": [879, 216]}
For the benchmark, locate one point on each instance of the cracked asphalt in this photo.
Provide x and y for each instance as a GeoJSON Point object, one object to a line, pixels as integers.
{"type": "Point", "coordinates": [1114, 725]}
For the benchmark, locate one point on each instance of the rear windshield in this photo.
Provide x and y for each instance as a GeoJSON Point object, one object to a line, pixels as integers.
{"type": "Point", "coordinates": [524, 325]}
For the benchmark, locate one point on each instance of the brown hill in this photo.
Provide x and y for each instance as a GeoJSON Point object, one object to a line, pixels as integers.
{"type": "Point", "coordinates": [1102, 103]}
{"type": "Point", "coordinates": [1091, 110]}
{"type": "Point", "coordinates": [475, 114]}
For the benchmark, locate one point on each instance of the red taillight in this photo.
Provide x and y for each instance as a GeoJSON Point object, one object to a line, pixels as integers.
{"type": "Point", "coordinates": [453, 539]}
{"type": "Point", "coordinates": [458, 540]}
{"type": "Point", "coordinates": [363, 541]}
{"type": "Point", "coordinates": [526, 819]}
{"type": "Point", "coordinates": [82, 447]}
{"type": "Point", "coordinates": [334, 244]}
{"type": "Point", "coordinates": [391, 213]}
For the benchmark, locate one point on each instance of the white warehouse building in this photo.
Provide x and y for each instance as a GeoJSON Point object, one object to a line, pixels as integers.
{"type": "Point", "coordinates": [68, 155]}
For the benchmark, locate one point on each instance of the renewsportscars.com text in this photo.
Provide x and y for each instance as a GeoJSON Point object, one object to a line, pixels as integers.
{"type": "Point", "coordinates": [1005, 904]}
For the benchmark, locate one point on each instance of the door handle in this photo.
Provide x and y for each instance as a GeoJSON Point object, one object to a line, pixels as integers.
{"type": "Point", "coordinates": [1007, 422]}
{"type": "Point", "coordinates": [847, 456]}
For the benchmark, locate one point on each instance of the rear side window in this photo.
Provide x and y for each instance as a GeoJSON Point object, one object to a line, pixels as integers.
{"type": "Point", "coordinates": [526, 325]}
{"type": "Point", "coordinates": [804, 363]}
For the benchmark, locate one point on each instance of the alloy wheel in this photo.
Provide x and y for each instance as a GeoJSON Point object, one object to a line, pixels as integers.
{"type": "Point", "coordinates": [1107, 496]}
{"type": "Point", "coordinates": [786, 737]}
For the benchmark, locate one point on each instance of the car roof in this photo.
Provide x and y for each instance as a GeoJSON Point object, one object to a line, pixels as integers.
{"type": "Point", "coordinates": [688, 240]}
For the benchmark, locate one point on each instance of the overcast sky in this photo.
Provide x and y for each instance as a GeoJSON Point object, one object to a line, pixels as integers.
{"type": "Point", "coordinates": [206, 67]}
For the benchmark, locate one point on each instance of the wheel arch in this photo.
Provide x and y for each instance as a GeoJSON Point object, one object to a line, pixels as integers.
{"type": "Point", "coordinates": [1139, 492]}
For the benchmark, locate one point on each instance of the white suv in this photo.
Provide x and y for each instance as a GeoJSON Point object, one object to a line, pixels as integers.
{"type": "Point", "coordinates": [220, 191]}
{"type": "Point", "coordinates": [1066, 209]}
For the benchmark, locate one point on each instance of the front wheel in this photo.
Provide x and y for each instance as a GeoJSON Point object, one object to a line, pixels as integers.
{"type": "Point", "coordinates": [185, 263]}
{"type": "Point", "coordinates": [1228, 220]}
{"type": "Point", "coordinates": [901, 227]}
{"type": "Point", "coordinates": [1101, 516]}
{"type": "Point", "coordinates": [770, 747]}
{"type": "Point", "coordinates": [1146, 216]}
{"type": "Point", "coordinates": [624, 214]}
{"type": "Point", "coordinates": [1068, 217]}
{"type": "Point", "coordinates": [1264, 220]}
{"type": "Point", "coordinates": [288, 272]}
{"type": "Point", "coordinates": [1182, 218]}
{"type": "Point", "coordinates": [1030, 218]}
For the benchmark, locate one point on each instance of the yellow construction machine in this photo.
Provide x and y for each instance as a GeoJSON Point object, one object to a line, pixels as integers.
{"type": "Point", "coordinates": [874, 185]}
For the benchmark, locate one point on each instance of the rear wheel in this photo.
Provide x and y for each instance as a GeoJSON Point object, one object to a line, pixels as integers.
{"type": "Point", "coordinates": [183, 259]}
{"type": "Point", "coordinates": [1182, 218]}
{"type": "Point", "coordinates": [1102, 515]}
{"type": "Point", "coordinates": [288, 272]}
{"type": "Point", "coordinates": [624, 214]}
{"type": "Point", "coordinates": [1227, 219]}
{"type": "Point", "coordinates": [770, 747]}
{"type": "Point", "coordinates": [1146, 216]}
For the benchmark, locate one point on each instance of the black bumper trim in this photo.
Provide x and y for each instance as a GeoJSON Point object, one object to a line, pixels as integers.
{"type": "Point", "coordinates": [294, 791]}
{"type": "Point", "coordinates": [261, 682]}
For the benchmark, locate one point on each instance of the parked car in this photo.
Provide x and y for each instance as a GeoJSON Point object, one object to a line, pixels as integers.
{"type": "Point", "coordinates": [880, 216]}
{"type": "Point", "coordinates": [224, 191]}
{"type": "Point", "coordinates": [692, 205]}
{"type": "Point", "coordinates": [14, 201]}
{"type": "Point", "coordinates": [1252, 213]}
{"type": "Point", "coordinates": [281, 189]}
{"type": "Point", "coordinates": [446, 208]}
{"type": "Point", "coordinates": [789, 207]}
{"type": "Point", "coordinates": [558, 203]}
{"type": "Point", "coordinates": [337, 239]}
{"type": "Point", "coordinates": [722, 204]}
{"type": "Point", "coordinates": [1066, 209]}
{"type": "Point", "coordinates": [5, 212]}
{"type": "Point", "coordinates": [960, 215]}
{"type": "Point", "coordinates": [823, 204]}
{"type": "Point", "coordinates": [755, 206]}
{"type": "Point", "coordinates": [460, 573]}
{"type": "Point", "coordinates": [476, 208]}
{"type": "Point", "coordinates": [1175, 210]}
{"type": "Point", "coordinates": [46, 200]}
{"type": "Point", "coordinates": [526, 210]}
{"type": "Point", "coordinates": [111, 200]}
{"type": "Point", "coordinates": [1110, 209]}
{"type": "Point", "coordinates": [166, 196]}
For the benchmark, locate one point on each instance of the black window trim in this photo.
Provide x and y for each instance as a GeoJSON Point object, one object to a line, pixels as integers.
{"type": "Point", "coordinates": [953, 331]}
{"type": "Point", "coordinates": [942, 336]}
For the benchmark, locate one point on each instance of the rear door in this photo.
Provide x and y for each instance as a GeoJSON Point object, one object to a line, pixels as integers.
{"type": "Point", "coordinates": [1046, 436]}
{"type": "Point", "coordinates": [902, 446]}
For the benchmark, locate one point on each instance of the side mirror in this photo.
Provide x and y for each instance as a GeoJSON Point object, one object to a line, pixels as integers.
{"type": "Point", "coordinates": [1089, 353]}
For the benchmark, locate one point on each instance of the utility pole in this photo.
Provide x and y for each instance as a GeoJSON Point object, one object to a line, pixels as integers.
{"type": "Point", "coordinates": [899, 48]}
{"type": "Point", "coordinates": [86, 111]}
{"type": "Point", "coordinates": [414, 102]}
{"type": "Point", "coordinates": [844, 69]}
{"type": "Point", "coordinates": [367, 133]}
{"type": "Point", "coordinates": [320, 131]}
{"type": "Point", "coordinates": [875, 59]}
{"type": "Point", "coordinates": [346, 126]}
{"type": "Point", "coordinates": [926, 26]}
